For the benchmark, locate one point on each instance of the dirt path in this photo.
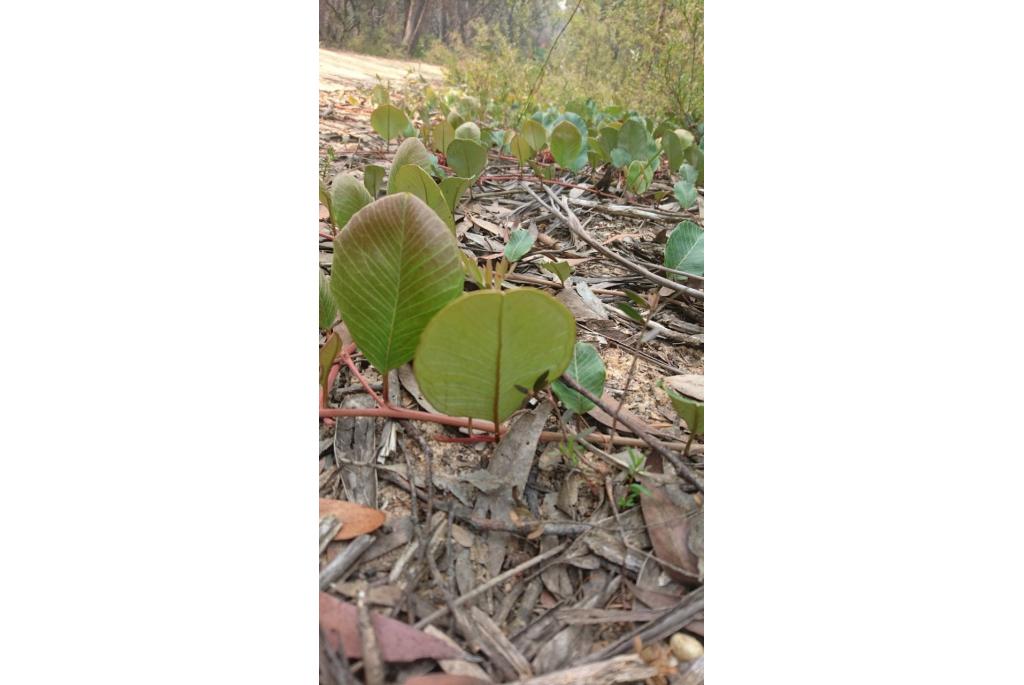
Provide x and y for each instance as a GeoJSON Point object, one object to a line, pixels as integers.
{"type": "Point", "coordinates": [340, 70]}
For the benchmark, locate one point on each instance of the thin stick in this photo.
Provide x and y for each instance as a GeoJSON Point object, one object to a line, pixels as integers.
{"type": "Point", "coordinates": [540, 76]}
{"type": "Point", "coordinates": [574, 226]}
{"type": "Point", "coordinates": [496, 580]}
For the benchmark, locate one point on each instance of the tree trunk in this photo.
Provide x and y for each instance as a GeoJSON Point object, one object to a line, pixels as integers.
{"type": "Point", "coordinates": [414, 24]}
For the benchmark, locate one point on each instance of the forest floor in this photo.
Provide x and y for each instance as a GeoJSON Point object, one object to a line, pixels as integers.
{"type": "Point", "coordinates": [516, 561]}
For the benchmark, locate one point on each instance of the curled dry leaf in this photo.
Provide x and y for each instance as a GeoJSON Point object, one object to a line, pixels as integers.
{"type": "Point", "coordinates": [355, 519]}
{"type": "Point", "coordinates": [398, 642]}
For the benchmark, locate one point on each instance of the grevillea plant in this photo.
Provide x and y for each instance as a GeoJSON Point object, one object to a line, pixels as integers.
{"type": "Point", "coordinates": [397, 281]}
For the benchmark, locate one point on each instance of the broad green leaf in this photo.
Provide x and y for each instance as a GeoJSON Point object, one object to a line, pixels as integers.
{"type": "Point", "coordinates": [452, 189]}
{"type": "Point", "coordinates": [468, 131]}
{"type": "Point", "coordinates": [519, 243]}
{"type": "Point", "coordinates": [534, 133]}
{"type": "Point", "coordinates": [388, 121]}
{"type": "Point", "coordinates": [566, 144]}
{"type": "Point", "coordinates": [520, 148]}
{"type": "Point", "coordinates": [639, 176]}
{"type": "Point", "coordinates": [685, 193]}
{"type": "Point", "coordinates": [587, 369]}
{"type": "Point", "coordinates": [560, 269]}
{"type": "Point", "coordinates": [634, 144]}
{"type": "Point", "coordinates": [673, 149]}
{"type": "Point", "coordinates": [373, 176]}
{"type": "Point", "coordinates": [690, 411]}
{"type": "Point", "coordinates": [474, 353]}
{"type": "Point", "coordinates": [412, 179]}
{"type": "Point", "coordinates": [466, 157]}
{"type": "Point", "coordinates": [442, 135]}
{"type": "Point", "coordinates": [411, 151]}
{"type": "Point", "coordinates": [348, 196]}
{"type": "Point", "coordinates": [684, 250]}
{"type": "Point", "coordinates": [328, 310]}
{"type": "Point", "coordinates": [395, 266]}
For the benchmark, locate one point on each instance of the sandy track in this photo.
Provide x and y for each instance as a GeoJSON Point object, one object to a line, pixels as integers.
{"type": "Point", "coordinates": [340, 70]}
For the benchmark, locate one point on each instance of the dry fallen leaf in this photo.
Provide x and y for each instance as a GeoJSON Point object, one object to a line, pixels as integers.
{"type": "Point", "coordinates": [355, 519]}
{"type": "Point", "coordinates": [445, 679]}
{"type": "Point", "coordinates": [671, 515]}
{"type": "Point", "coordinates": [398, 642]}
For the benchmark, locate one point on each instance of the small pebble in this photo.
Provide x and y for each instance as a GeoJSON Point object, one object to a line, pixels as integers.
{"type": "Point", "coordinates": [686, 647]}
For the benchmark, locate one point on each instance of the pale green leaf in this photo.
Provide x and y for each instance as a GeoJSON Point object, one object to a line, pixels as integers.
{"type": "Point", "coordinates": [673, 149]}
{"type": "Point", "coordinates": [475, 352]}
{"type": "Point", "coordinates": [411, 151]}
{"type": "Point", "coordinates": [520, 148]}
{"type": "Point", "coordinates": [639, 176]}
{"type": "Point", "coordinates": [466, 157]}
{"type": "Point", "coordinates": [452, 188]}
{"type": "Point", "coordinates": [348, 196]}
{"type": "Point", "coordinates": [373, 176]}
{"type": "Point", "coordinates": [689, 410]}
{"type": "Point", "coordinates": [566, 144]}
{"type": "Point", "coordinates": [412, 179]}
{"type": "Point", "coordinates": [560, 269]}
{"type": "Point", "coordinates": [328, 310]}
{"type": "Point", "coordinates": [587, 369]}
{"type": "Point", "coordinates": [684, 250]}
{"type": "Point", "coordinates": [519, 243]}
{"type": "Point", "coordinates": [534, 133]}
{"type": "Point", "coordinates": [468, 131]}
{"type": "Point", "coordinates": [388, 121]}
{"type": "Point", "coordinates": [395, 266]}
{"type": "Point", "coordinates": [442, 135]}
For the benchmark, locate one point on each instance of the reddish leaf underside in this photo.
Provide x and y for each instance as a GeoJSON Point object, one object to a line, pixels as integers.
{"type": "Point", "coordinates": [398, 641]}
{"type": "Point", "coordinates": [356, 519]}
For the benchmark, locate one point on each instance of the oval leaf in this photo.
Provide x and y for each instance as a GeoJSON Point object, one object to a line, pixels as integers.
{"type": "Point", "coordinates": [520, 148]}
{"type": "Point", "coordinates": [519, 243]}
{"type": "Point", "coordinates": [690, 411]}
{"type": "Point", "coordinates": [411, 151]}
{"type": "Point", "coordinates": [634, 143]}
{"type": "Point", "coordinates": [587, 369]}
{"type": "Point", "coordinates": [388, 121]}
{"type": "Point", "coordinates": [395, 266]}
{"type": "Point", "coordinates": [478, 349]}
{"type": "Point", "coordinates": [673, 149]}
{"type": "Point", "coordinates": [412, 179]}
{"type": "Point", "coordinates": [373, 176]}
{"type": "Point", "coordinates": [684, 250]}
{"type": "Point", "coordinates": [348, 196]}
{"type": "Point", "coordinates": [355, 519]}
{"type": "Point", "coordinates": [534, 134]}
{"type": "Point", "coordinates": [566, 144]}
{"type": "Point", "coordinates": [452, 188]}
{"type": "Point", "coordinates": [468, 131]}
{"type": "Point", "coordinates": [466, 157]}
{"type": "Point", "coordinates": [442, 135]}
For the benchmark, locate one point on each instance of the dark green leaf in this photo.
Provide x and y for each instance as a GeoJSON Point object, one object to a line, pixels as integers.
{"type": "Point", "coordinates": [566, 145]}
{"type": "Point", "coordinates": [373, 176]}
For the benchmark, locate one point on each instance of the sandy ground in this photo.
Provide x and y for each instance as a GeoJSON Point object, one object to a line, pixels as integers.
{"type": "Point", "coordinates": [340, 70]}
